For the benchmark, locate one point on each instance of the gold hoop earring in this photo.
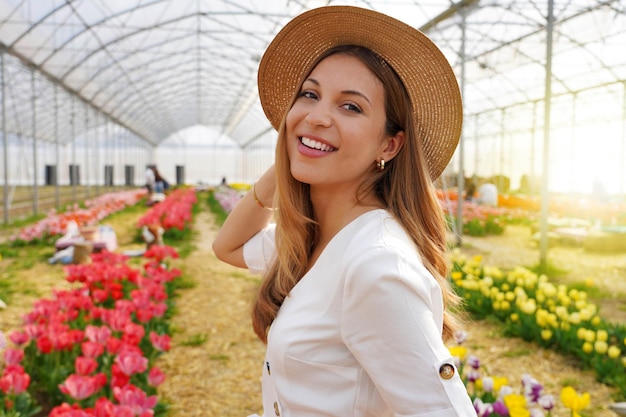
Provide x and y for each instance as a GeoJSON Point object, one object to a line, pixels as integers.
{"type": "Point", "coordinates": [380, 165]}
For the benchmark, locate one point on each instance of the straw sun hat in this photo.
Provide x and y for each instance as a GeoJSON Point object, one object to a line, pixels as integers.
{"type": "Point", "coordinates": [425, 72]}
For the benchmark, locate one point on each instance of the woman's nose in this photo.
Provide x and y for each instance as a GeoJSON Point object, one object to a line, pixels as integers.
{"type": "Point", "coordinates": [319, 115]}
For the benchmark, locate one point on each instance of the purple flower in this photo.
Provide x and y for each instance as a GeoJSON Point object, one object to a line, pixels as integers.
{"type": "Point", "coordinates": [532, 388]}
{"type": "Point", "coordinates": [460, 336]}
{"type": "Point", "coordinates": [546, 402]}
{"type": "Point", "coordinates": [500, 408]}
{"type": "Point", "coordinates": [473, 361]}
{"type": "Point", "coordinates": [482, 409]}
{"type": "Point", "coordinates": [473, 375]}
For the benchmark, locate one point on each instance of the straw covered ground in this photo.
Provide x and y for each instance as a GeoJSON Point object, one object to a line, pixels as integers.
{"type": "Point", "coordinates": [214, 366]}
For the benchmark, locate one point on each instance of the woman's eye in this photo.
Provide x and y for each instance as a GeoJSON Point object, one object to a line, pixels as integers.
{"type": "Point", "coordinates": [308, 94]}
{"type": "Point", "coordinates": [352, 107]}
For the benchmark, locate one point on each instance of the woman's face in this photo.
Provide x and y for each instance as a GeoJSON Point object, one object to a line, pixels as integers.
{"type": "Point", "coordinates": [335, 129]}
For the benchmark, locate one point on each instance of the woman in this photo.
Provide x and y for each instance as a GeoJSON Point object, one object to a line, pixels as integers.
{"type": "Point", "coordinates": [354, 305]}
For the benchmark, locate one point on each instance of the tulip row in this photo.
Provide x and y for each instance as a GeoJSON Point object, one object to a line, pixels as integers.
{"type": "Point", "coordinates": [175, 212]}
{"type": "Point", "coordinates": [91, 350]}
{"type": "Point", "coordinates": [537, 310]}
{"type": "Point", "coordinates": [55, 224]}
{"type": "Point", "coordinates": [228, 196]}
{"type": "Point", "coordinates": [484, 220]}
{"type": "Point", "coordinates": [477, 220]}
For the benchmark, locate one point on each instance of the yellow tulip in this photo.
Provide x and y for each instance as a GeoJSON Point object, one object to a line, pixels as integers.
{"type": "Point", "coordinates": [587, 347]}
{"type": "Point", "coordinates": [458, 351]}
{"type": "Point", "coordinates": [602, 335]}
{"type": "Point", "coordinates": [516, 404]}
{"type": "Point", "coordinates": [601, 347]}
{"type": "Point", "coordinates": [529, 307]}
{"type": "Point", "coordinates": [614, 352]}
{"type": "Point", "coordinates": [499, 382]}
{"type": "Point", "coordinates": [457, 275]}
{"type": "Point", "coordinates": [519, 412]}
{"type": "Point", "coordinates": [573, 401]}
{"type": "Point", "coordinates": [514, 317]}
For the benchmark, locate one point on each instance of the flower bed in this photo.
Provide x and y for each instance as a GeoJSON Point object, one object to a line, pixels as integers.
{"type": "Point", "coordinates": [537, 310]}
{"type": "Point", "coordinates": [55, 224]}
{"type": "Point", "coordinates": [175, 212]}
{"type": "Point", "coordinates": [91, 350]}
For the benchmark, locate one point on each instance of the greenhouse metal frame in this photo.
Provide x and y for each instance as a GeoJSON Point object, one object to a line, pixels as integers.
{"type": "Point", "coordinates": [93, 90]}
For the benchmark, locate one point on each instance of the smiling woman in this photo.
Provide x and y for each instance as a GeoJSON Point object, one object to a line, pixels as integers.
{"type": "Point", "coordinates": [366, 121]}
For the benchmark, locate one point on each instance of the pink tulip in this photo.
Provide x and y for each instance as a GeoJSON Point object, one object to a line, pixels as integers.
{"type": "Point", "coordinates": [131, 363]}
{"type": "Point", "coordinates": [155, 377]}
{"type": "Point", "coordinates": [160, 342]}
{"type": "Point", "coordinates": [15, 380]}
{"type": "Point", "coordinates": [92, 349]}
{"type": "Point", "coordinates": [98, 334]}
{"type": "Point", "coordinates": [13, 356]}
{"type": "Point", "coordinates": [105, 408]}
{"type": "Point", "coordinates": [19, 338]}
{"type": "Point", "coordinates": [135, 329]}
{"type": "Point", "coordinates": [80, 387]}
{"type": "Point", "coordinates": [134, 397]}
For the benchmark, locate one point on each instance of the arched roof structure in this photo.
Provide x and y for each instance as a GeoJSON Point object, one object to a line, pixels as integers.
{"type": "Point", "coordinates": [156, 67]}
{"type": "Point", "coordinates": [543, 81]}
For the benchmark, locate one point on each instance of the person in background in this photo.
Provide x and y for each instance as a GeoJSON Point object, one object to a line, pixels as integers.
{"type": "Point", "coordinates": [160, 183]}
{"type": "Point", "coordinates": [470, 189]}
{"type": "Point", "coordinates": [150, 180]}
{"type": "Point", "coordinates": [487, 195]}
{"type": "Point", "coordinates": [346, 227]}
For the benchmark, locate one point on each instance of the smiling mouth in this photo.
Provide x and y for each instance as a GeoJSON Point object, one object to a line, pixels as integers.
{"type": "Point", "coordinates": [314, 144]}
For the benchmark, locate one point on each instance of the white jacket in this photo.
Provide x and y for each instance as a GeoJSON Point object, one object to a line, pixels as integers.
{"type": "Point", "coordinates": [360, 334]}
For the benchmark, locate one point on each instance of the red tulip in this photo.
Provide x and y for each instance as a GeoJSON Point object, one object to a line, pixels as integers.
{"type": "Point", "coordinates": [85, 365]}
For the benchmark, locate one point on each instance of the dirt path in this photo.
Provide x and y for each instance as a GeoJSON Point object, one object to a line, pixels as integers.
{"type": "Point", "coordinates": [220, 377]}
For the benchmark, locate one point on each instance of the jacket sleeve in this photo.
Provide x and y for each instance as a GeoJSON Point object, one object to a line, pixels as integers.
{"type": "Point", "coordinates": [391, 321]}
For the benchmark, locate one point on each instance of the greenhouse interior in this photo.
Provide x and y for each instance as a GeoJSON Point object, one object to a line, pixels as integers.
{"type": "Point", "coordinates": [95, 93]}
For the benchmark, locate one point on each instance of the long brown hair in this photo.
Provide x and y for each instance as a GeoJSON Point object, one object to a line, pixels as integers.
{"type": "Point", "coordinates": [418, 211]}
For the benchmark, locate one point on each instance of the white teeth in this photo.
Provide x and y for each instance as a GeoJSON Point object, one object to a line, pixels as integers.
{"type": "Point", "coordinates": [316, 145]}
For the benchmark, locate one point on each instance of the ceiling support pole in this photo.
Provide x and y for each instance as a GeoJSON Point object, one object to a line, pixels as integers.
{"type": "Point", "coordinates": [545, 195]}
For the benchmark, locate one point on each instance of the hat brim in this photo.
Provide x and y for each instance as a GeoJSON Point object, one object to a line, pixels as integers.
{"type": "Point", "coordinates": [426, 73]}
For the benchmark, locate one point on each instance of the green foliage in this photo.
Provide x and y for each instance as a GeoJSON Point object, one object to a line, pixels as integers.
{"type": "Point", "coordinates": [482, 227]}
